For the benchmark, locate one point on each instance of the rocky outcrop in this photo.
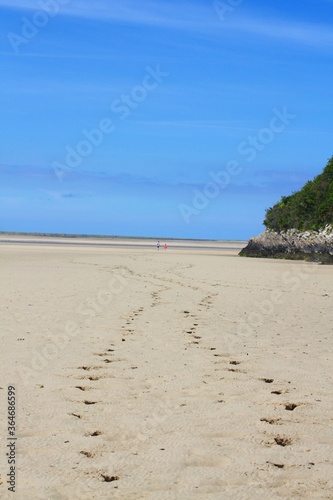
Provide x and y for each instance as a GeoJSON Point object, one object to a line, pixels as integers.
{"type": "Point", "coordinates": [292, 244]}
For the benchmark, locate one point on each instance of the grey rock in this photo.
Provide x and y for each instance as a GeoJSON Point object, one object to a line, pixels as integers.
{"type": "Point", "coordinates": [292, 244]}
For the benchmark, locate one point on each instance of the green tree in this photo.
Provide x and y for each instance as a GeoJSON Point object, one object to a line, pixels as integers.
{"type": "Point", "coordinates": [309, 208]}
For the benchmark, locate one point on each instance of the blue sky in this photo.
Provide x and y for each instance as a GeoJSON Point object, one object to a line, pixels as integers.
{"type": "Point", "coordinates": [160, 118]}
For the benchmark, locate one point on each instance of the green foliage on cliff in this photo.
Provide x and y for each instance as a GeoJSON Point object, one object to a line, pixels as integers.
{"type": "Point", "coordinates": [309, 208]}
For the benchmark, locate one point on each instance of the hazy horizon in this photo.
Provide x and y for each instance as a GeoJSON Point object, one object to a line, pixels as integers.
{"type": "Point", "coordinates": [113, 236]}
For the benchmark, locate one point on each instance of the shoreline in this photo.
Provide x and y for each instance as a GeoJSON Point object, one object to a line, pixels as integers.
{"type": "Point", "coordinates": [114, 242]}
{"type": "Point", "coordinates": [11, 234]}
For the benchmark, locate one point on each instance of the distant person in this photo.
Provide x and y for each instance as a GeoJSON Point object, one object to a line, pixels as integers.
{"type": "Point", "coordinates": [158, 245]}
{"type": "Point", "coordinates": [165, 246]}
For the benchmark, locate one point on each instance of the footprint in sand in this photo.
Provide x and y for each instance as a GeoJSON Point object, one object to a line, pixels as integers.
{"type": "Point", "coordinates": [291, 406]}
{"type": "Point", "coordinates": [75, 415]}
{"type": "Point", "coordinates": [109, 479]}
{"type": "Point", "coordinates": [283, 441]}
{"type": "Point", "coordinates": [272, 421]}
{"type": "Point", "coordinates": [88, 368]}
{"type": "Point", "coordinates": [88, 454]}
{"type": "Point", "coordinates": [279, 466]}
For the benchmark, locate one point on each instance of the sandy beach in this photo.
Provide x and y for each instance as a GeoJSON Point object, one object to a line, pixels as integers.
{"type": "Point", "coordinates": [190, 373]}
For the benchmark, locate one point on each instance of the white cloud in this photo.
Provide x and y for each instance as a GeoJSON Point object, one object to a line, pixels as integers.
{"type": "Point", "coordinates": [149, 13]}
{"type": "Point", "coordinates": [188, 17]}
{"type": "Point", "coordinates": [303, 33]}
{"type": "Point", "coordinates": [198, 124]}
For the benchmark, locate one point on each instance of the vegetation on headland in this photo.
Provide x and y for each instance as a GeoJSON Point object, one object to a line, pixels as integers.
{"type": "Point", "coordinates": [311, 208]}
{"type": "Point", "coordinates": [299, 226]}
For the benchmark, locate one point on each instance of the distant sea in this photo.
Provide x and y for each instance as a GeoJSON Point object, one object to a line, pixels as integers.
{"type": "Point", "coordinates": [96, 240]}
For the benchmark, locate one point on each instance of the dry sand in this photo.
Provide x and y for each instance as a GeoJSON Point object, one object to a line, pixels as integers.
{"type": "Point", "coordinates": [185, 374]}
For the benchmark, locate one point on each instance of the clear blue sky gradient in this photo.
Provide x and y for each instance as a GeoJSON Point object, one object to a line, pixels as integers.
{"type": "Point", "coordinates": [225, 71]}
